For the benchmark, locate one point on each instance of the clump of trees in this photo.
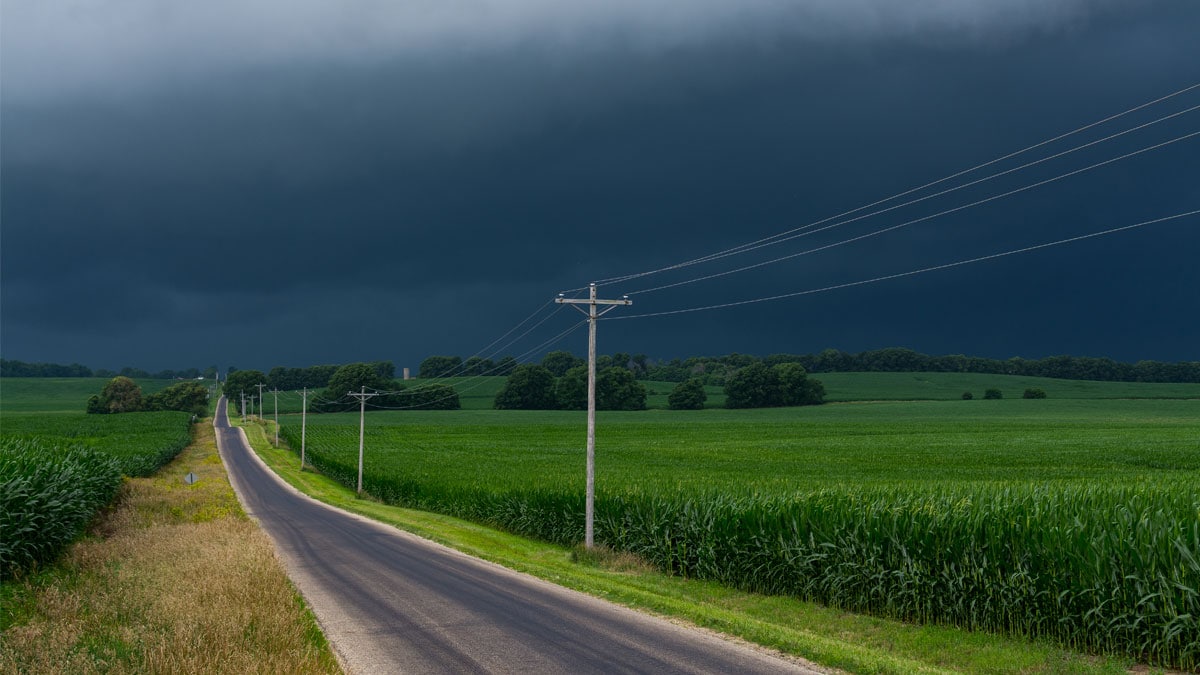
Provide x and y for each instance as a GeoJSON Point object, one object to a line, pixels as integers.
{"type": "Point", "coordinates": [455, 366]}
{"type": "Point", "coordinates": [13, 368]}
{"type": "Point", "coordinates": [123, 395]}
{"type": "Point", "coordinates": [534, 387]}
{"type": "Point", "coordinates": [715, 369]}
{"type": "Point", "coordinates": [1034, 392]}
{"type": "Point", "coordinates": [688, 395]}
{"type": "Point", "coordinates": [993, 394]}
{"type": "Point", "coordinates": [333, 383]}
{"type": "Point", "coordinates": [355, 377]}
{"type": "Point", "coordinates": [786, 384]}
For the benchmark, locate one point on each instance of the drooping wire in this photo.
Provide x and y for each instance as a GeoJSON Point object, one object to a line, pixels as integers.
{"type": "Point", "coordinates": [909, 273]}
{"type": "Point", "coordinates": [769, 240]}
{"type": "Point", "coordinates": [890, 228]}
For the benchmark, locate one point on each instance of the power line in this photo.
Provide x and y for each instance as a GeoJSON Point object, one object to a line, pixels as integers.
{"type": "Point", "coordinates": [747, 245]}
{"type": "Point", "coordinates": [884, 230]}
{"type": "Point", "coordinates": [908, 273]}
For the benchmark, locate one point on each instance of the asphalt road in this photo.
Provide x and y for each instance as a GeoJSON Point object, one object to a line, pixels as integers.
{"type": "Point", "coordinates": [389, 601]}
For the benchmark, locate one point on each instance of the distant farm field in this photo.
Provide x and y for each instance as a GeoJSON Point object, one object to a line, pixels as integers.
{"type": "Point", "coordinates": [58, 394]}
{"type": "Point", "coordinates": [478, 393]}
{"type": "Point", "coordinates": [1072, 520]}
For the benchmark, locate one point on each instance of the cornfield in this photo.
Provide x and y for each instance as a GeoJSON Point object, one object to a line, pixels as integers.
{"type": "Point", "coordinates": [48, 494]}
{"type": "Point", "coordinates": [1107, 567]}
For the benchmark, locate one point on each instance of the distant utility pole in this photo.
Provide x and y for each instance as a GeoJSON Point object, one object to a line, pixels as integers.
{"type": "Point", "coordinates": [261, 400]}
{"type": "Point", "coordinates": [276, 392]}
{"type": "Point", "coordinates": [303, 424]}
{"type": "Point", "coordinates": [362, 416]}
{"type": "Point", "coordinates": [243, 407]}
{"type": "Point", "coordinates": [592, 315]}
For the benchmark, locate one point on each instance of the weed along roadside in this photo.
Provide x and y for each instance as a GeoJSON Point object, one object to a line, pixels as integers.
{"type": "Point", "coordinates": [831, 637]}
{"type": "Point", "coordinates": [172, 577]}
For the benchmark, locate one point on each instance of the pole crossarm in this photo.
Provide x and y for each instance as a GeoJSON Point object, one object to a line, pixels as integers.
{"type": "Point", "coordinates": [593, 313]}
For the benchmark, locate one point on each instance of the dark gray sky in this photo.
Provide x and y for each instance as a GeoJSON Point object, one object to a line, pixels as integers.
{"type": "Point", "coordinates": [288, 183]}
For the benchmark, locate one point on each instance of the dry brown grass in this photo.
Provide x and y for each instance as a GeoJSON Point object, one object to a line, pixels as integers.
{"type": "Point", "coordinates": [173, 579]}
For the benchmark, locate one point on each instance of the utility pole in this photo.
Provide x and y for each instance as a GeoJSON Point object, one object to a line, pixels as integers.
{"type": "Point", "coordinates": [261, 400]}
{"type": "Point", "coordinates": [362, 416]}
{"type": "Point", "coordinates": [276, 392]}
{"type": "Point", "coordinates": [592, 314]}
{"type": "Point", "coordinates": [243, 407]}
{"type": "Point", "coordinates": [303, 424]}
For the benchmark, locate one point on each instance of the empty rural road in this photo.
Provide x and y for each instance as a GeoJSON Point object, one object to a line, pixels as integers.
{"type": "Point", "coordinates": [392, 602]}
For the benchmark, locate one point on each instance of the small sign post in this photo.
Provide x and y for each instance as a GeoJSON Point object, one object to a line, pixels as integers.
{"type": "Point", "coordinates": [191, 478]}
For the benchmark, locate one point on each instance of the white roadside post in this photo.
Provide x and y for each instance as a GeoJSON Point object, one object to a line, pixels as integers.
{"type": "Point", "coordinates": [592, 314]}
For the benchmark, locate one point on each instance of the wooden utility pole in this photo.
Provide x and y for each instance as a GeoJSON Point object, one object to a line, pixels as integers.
{"type": "Point", "coordinates": [362, 416]}
{"type": "Point", "coordinates": [260, 386]}
{"type": "Point", "coordinates": [592, 314]}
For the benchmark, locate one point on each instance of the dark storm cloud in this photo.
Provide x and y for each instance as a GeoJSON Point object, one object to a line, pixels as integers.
{"type": "Point", "coordinates": [429, 176]}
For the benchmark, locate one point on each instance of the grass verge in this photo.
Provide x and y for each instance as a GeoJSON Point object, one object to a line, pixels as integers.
{"type": "Point", "coordinates": [827, 636]}
{"type": "Point", "coordinates": [170, 578]}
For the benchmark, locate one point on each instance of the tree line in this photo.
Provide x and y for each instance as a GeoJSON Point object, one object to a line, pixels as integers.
{"type": "Point", "coordinates": [330, 391]}
{"type": "Point", "coordinates": [536, 387]}
{"type": "Point", "coordinates": [123, 395]}
{"type": "Point", "coordinates": [12, 368]}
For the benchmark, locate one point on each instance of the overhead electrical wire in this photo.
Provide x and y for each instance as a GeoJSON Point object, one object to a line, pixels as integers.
{"type": "Point", "coordinates": [752, 245]}
{"type": "Point", "coordinates": [890, 228]}
{"type": "Point", "coordinates": [909, 273]}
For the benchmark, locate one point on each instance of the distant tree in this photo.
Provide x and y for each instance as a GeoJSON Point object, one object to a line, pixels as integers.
{"type": "Point", "coordinates": [529, 387]}
{"type": "Point", "coordinates": [354, 377]}
{"type": "Point", "coordinates": [689, 395]}
{"type": "Point", "coordinates": [617, 389]}
{"type": "Point", "coordinates": [188, 396]}
{"type": "Point", "coordinates": [440, 366]}
{"type": "Point", "coordinates": [1034, 392]}
{"type": "Point", "coordinates": [429, 397]}
{"type": "Point", "coordinates": [238, 382]}
{"type": "Point", "coordinates": [967, 396]}
{"type": "Point", "coordinates": [993, 394]}
{"type": "Point", "coordinates": [504, 366]}
{"type": "Point", "coordinates": [477, 365]}
{"type": "Point", "coordinates": [131, 372]}
{"type": "Point", "coordinates": [755, 386]}
{"type": "Point", "coordinates": [796, 387]}
{"type": "Point", "coordinates": [559, 362]}
{"type": "Point", "coordinates": [120, 395]}
{"type": "Point", "coordinates": [570, 391]}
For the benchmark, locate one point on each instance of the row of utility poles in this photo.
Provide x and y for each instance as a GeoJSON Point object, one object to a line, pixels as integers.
{"type": "Point", "coordinates": [589, 306]}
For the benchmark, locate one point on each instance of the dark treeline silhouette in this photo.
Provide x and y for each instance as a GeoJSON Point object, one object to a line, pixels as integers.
{"type": "Point", "coordinates": [11, 368]}
{"type": "Point", "coordinates": [714, 370]}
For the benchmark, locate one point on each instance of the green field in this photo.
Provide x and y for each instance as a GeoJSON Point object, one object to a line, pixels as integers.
{"type": "Point", "coordinates": [478, 393]}
{"type": "Point", "coordinates": [58, 394]}
{"type": "Point", "coordinates": [1069, 520]}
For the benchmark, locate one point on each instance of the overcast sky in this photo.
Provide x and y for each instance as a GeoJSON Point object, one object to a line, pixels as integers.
{"type": "Point", "coordinates": [288, 183]}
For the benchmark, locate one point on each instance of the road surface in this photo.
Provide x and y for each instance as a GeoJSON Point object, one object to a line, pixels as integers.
{"type": "Point", "coordinates": [390, 601]}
